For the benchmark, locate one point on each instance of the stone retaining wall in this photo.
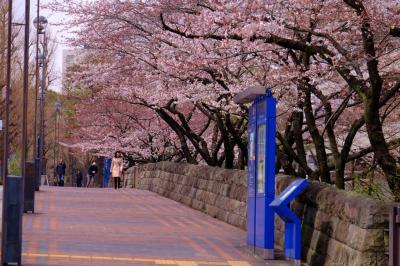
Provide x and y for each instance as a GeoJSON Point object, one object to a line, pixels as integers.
{"type": "Point", "coordinates": [339, 228]}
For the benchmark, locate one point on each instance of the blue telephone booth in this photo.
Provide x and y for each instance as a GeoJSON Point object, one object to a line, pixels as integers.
{"type": "Point", "coordinates": [261, 169]}
{"type": "Point", "coordinates": [107, 167]}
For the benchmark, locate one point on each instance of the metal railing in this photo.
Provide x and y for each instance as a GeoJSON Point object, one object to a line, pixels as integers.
{"type": "Point", "coordinates": [394, 237]}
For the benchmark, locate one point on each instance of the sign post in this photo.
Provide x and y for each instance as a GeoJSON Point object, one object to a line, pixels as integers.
{"type": "Point", "coordinates": [261, 169]}
{"type": "Point", "coordinates": [292, 222]}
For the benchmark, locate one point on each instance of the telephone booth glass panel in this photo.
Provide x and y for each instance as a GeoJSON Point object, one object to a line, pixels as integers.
{"type": "Point", "coordinates": [252, 152]}
{"type": "Point", "coordinates": [261, 158]}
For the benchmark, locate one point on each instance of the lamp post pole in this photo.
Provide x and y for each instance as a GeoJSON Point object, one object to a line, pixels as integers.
{"type": "Point", "coordinates": [36, 24]}
{"type": "Point", "coordinates": [6, 136]}
{"type": "Point", "coordinates": [57, 106]}
{"type": "Point", "coordinates": [40, 24]}
{"type": "Point", "coordinates": [13, 190]}
{"type": "Point", "coordinates": [7, 98]}
{"type": "Point", "coordinates": [42, 95]}
{"type": "Point", "coordinates": [25, 92]}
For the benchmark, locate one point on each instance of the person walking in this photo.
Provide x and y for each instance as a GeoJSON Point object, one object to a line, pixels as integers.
{"type": "Point", "coordinates": [92, 171]}
{"type": "Point", "coordinates": [60, 171]}
{"type": "Point", "coordinates": [79, 178]}
{"type": "Point", "coordinates": [117, 166]}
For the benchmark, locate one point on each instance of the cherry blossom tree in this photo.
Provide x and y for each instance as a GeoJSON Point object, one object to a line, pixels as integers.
{"type": "Point", "coordinates": [333, 65]}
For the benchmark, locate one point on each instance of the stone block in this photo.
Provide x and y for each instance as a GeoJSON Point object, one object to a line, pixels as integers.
{"type": "Point", "coordinates": [235, 178]}
{"type": "Point", "coordinates": [202, 184]}
{"type": "Point", "coordinates": [234, 205]}
{"type": "Point", "coordinates": [232, 190]}
{"type": "Point", "coordinates": [186, 200]}
{"type": "Point", "coordinates": [235, 219]}
{"type": "Point", "coordinates": [222, 203]}
{"type": "Point", "coordinates": [176, 196]}
{"type": "Point", "coordinates": [211, 198]}
{"type": "Point", "coordinates": [242, 225]}
{"type": "Point", "coordinates": [198, 205]}
{"type": "Point", "coordinates": [341, 254]}
{"type": "Point", "coordinates": [241, 194]}
{"type": "Point", "coordinates": [185, 190]}
{"type": "Point", "coordinates": [370, 240]}
{"type": "Point", "coordinates": [279, 239]}
{"type": "Point", "coordinates": [243, 209]}
{"type": "Point", "coordinates": [216, 188]}
{"type": "Point", "coordinates": [192, 192]}
{"type": "Point", "coordinates": [315, 259]}
{"type": "Point", "coordinates": [199, 194]}
{"type": "Point", "coordinates": [211, 210]}
{"type": "Point", "coordinates": [319, 242]}
{"type": "Point", "coordinates": [222, 215]}
{"type": "Point", "coordinates": [210, 185]}
{"type": "Point", "coordinates": [224, 189]}
{"type": "Point", "coordinates": [326, 223]}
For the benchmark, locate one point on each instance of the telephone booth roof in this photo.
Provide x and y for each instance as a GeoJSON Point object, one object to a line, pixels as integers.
{"type": "Point", "coordinates": [250, 94]}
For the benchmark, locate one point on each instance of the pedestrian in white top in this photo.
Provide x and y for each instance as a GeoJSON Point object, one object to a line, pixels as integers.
{"type": "Point", "coordinates": [116, 169]}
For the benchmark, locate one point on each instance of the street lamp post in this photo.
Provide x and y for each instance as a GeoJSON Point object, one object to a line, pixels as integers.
{"type": "Point", "coordinates": [5, 222]}
{"type": "Point", "coordinates": [13, 190]}
{"type": "Point", "coordinates": [40, 25]}
{"type": "Point", "coordinates": [57, 106]}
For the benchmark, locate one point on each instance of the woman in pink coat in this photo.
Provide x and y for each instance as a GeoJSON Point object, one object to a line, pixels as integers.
{"type": "Point", "coordinates": [116, 169]}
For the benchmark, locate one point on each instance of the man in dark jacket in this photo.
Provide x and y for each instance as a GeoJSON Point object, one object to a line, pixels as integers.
{"type": "Point", "coordinates": [60, 171]}
{"type": "Point", "coordinates": [92, 171]}
{"type": "Point", "coordinates": [79, 178]}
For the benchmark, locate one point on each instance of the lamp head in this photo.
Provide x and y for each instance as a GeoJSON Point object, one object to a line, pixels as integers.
{"type": "Point", "coordinates": [40, 23]}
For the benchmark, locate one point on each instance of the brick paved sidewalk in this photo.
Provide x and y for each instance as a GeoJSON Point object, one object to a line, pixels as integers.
{"type": "Point", "coordinates": [79, 226]}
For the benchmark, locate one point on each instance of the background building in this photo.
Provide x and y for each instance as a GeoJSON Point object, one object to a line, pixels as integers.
{"type": "Point", "coordinates": [70, 58]}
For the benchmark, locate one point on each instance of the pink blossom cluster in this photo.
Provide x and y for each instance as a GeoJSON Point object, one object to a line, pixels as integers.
{"type": "Point", "coordinates": [188, 58]}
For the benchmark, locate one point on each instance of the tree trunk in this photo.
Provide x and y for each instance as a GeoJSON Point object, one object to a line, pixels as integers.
{"type": "Point", "coordinates": [241, 160]}
{"type": "Point", "coordinates": [378, 143]}
{"type": "Point", "coordinates": [298, 138]}
{"type": "Point", "coordinates": [176, 128]}
{"type": "Point", "coordinates": [228, 147]}
{"type": "Point", "coordinates": [318, 140]}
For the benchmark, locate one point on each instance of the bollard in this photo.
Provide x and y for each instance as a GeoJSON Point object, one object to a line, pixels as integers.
{"type": "Point", "coordinates": [12, 221]}
{"type": "Point", "coordinates": [30, 185]}
{"type": "Point", "coordinates": [394, 237]}
{"type": "Point", "coordinates": [37, 174]}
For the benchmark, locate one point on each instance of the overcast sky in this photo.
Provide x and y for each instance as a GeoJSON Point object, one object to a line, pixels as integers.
{"type": "Point", "coordinates": [56, 32]}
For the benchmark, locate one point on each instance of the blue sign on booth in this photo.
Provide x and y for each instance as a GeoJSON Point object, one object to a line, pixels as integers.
{"type": "Point", "coordinates": [292, 222]}
{"type": "Point", "coordinates": [261, 177]}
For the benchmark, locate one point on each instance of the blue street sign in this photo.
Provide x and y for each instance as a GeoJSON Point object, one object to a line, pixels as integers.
{"type": "Point", "coordinates": [292, 222]}
{"type": "Point", "coordinates": [106, 176]}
